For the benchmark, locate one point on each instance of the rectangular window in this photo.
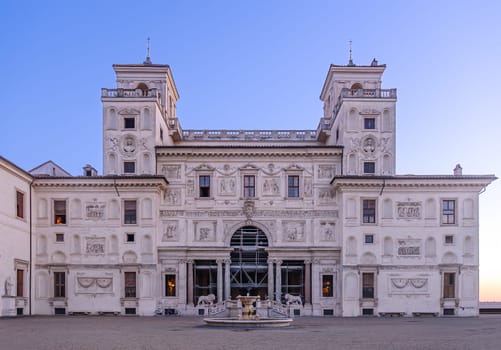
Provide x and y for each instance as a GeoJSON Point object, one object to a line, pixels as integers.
{"type": "Point", "coordinates": [369, 211]}
{"type": "Point", "coordinates": [449, 284]}
{"type": "Point", "coordinates": [130, 238]}
{"type": "Point", "coordinates": [59, 237]}
{"type": "Point", "coordinates": [327, 286]}
{"type": "Point", "coordinates": [130, 284]}
{"type": "Point", "coordinates": [204, 186]}
{"type": "Point", "coordinates": [59, 284]}
{"type": "Point", "coordinates": [369, 239]}
{"type": "Point", "coordinates": [449, 212]}
{"type": "Point", "coordinates": [449, 239]}
{"type": "Point", "coordinates": [60, 212]}
{"type": "Point", "coordinates": [369, 167]}
{"type": "Point", "coordinates": [249, 186]}
{"type": "Point", "coordinates": [368, 285]}
{"type": "Point", "coordinates": [170, 285]}
{"type": "Point", "coordinates": [20, 283]}
{"type": "Point", "coordinates": [129, 167]}
{"type": "Point", "coordinates": [130, 212]}
{"type": "Point", "coordinates": [293, 186]}
{"type": "Point", "coordinates": [20, 204]}
{"type": "Point", "coordinates": [129, 123]}
{"type": "Point", "coordinates": [369, 123]}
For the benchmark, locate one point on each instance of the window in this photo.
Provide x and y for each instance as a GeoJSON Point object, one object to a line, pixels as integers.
{"type": "Point", "coordinates": [59, 284]}
{"type": "Point", "coordinates": [129, 123]}
{"type": "Point", "coordinates": [369, 167]}
{"type": "Point", "coordinates": [449, 212]}
{"type": "Point", "coordinates": [327, 286]}
{"type": "Point", "coordinates": [368, 285]}
{"type": "Point", "coordinates": [130, 284]}
{"type": "Point", "coordinates": [130, 238]}
{"type": "Point", "coordinates": [449, 239]}
{"type": "Point", "coordinates": [20, 204]}
{"type": "Point", "coordinates": [369, 123]}
{"type": "Point", "coordinates": [88, 172]}
{"type": "Point", "coordinates": [129, 167]}
{"type": "Point", "coordinates": [170, 285]}
{"type": "Point", "coordinates": [60, 212]}
{"type": "Point", "coordinates": [293, 186]}
{"type": "Point", "coordinates": [20, 283]}
{"type": "Point", "coordinates": [130, 212]}
{"type": "Point", "coordinates": [369, 239]}
{"type": "Point", "coordinates": [59, 237]}
{"type": "Point", "coordinates": [249, 186]}
{"type": "Point", "coordinates": [204, 186]}
{"type": "Point", "coordinates": [449, 284]}
{"type": "Point", "coordinates": [369, 211]}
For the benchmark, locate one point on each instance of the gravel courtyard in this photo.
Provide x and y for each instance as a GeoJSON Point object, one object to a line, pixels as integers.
{"type": "Point", "coordinates": [311, 333]}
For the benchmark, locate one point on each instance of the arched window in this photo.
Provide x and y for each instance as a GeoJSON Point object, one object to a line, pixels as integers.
{"type": "Point", "coordinates": [144, 88]}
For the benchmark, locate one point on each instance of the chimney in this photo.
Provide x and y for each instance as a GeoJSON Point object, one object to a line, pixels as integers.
{"type": "Point", "coordinates": [458, 171]}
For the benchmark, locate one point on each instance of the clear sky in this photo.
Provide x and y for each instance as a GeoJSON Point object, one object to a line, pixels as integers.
{"type": "Point", "coordinates": [261, 65]}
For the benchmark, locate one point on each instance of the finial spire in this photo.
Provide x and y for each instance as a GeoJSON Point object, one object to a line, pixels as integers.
{"type": "Point", "coordinates": [350, 62]}
{"type": "Point", "coordinates": [148, 58]}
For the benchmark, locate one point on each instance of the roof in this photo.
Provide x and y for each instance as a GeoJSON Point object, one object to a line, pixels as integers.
{"type": "Point", "coordinates": [43, 168]}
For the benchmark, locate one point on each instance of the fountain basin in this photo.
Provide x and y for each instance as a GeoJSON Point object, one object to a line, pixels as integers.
{"type": "Point", "coordinates": [250, 323]}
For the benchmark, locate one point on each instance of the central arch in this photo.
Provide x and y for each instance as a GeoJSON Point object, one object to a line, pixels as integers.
{"type": "Point", "coordinates": [249, 262]}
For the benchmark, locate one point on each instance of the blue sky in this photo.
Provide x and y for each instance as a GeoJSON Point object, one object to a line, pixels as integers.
{"type": "Point", "coordinates": [261, 65]}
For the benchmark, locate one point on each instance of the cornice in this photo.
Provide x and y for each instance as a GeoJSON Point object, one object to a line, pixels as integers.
{"type": "Point", "coordinates": [102, 182]}
{"type": "Point", "coordinates": [246, 151]}
{"type": "Point", "coordinates": [407, 181]}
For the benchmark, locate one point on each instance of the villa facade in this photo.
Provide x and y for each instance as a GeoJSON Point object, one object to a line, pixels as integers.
{"type": "Point", "coordinates": [183, 220]}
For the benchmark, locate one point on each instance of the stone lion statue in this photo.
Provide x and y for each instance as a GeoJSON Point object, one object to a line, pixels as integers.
{"type": "Point", "coordinates": [293, 299]}
{"type": "Point", "coordinates": [206, 299]}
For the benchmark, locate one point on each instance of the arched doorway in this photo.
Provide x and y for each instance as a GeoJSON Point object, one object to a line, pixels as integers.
{"type": "Point", "coordinates": [249, 262]}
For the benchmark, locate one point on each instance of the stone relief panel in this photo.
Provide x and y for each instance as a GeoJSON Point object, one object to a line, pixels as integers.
{"type": "Point", "coordinates": [327, 231]}
{"type": "Point", "coordinates": [326, 172]}
{"type": "Point", "coordinates": [129, 257]}
{"type": "Point", "coordinates": [190, 187]}
{"type": "Point", "coordinates": [409, 247]}
{"type": "Point", "coordinates": [95, 210]}
{"type": "Point", "coordinates": [326, 194]}
{"type": "Point", "coordinates": [95, 245]}
{"type": "Point", "coordinates": [94, 285]}
{"type": "Point", "coordinates": [293, 231]}
{"type": "Point", "coordinates": [171, 172]}
{"type": "Point", "coordinates": [128, 145]}
{"type": "Point", "coordinates": [400, 285]}
{"type": "Point", "coordinates": [409, 210]}
{"type": "Point", "coordinates": [172, 196]}
{"type": "Point", "coordinates": [271, 186]}
{"type": "Point", "coordinates": [308, 186]}
{"type": "Point", "coordinates": [170, 231]}
{"type": "Point", "coordinates": [227, 186]}
{"type": "Point", "coordinates": [205, 231]}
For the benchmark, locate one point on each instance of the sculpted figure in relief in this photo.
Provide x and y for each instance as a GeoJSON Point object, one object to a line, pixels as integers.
{"type": "Point", "coordinates": [369, 145]}
{"type": "Point", "coordinates": [170, 232]}
{"type": "Point", "coordinates": [8, 286]}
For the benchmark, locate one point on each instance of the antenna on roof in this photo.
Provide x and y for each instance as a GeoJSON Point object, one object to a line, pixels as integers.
{"type": "Point", "coordinates": [350, 62]}
{"type": "Point", "coordinates": [148, 58]}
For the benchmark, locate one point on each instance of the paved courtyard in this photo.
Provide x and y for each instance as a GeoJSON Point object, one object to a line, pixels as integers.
{"type": "Point", "coordinates": [144, 333]}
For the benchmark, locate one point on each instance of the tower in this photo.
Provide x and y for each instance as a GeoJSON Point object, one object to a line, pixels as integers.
{"type": "Point", "coordinates": [136, 117]}
{"type": "Point", "coordinates": [360, 116]}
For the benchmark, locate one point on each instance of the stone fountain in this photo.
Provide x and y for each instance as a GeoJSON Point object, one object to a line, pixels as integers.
{"type": "Point", "coordinates": [246, 317]}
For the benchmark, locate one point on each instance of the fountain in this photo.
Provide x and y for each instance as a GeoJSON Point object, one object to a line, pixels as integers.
{"type": "Point", "coordinates": [247, 318]}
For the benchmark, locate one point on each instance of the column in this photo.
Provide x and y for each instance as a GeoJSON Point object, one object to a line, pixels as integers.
{"type": "Point", "coordinates": [278, 281]}
{"type": "Point", "coordinates": [307, 282]}
{"type": "Point", "coordinates": [189, 267]}
{"type": "Point", "coordinates": [227, 280]}
{"type": "Point", "coordinates": [219, 281]}
{"type": "Point", "coordinates": [270, 279]}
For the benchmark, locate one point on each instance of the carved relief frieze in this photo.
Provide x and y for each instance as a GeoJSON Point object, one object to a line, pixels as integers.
{"type": "Point", "coordinates": [409, 247]}
{"type": "Point", "coordinates": [293, 231]}
{"type": "Point", "coordinates": [93, 284]}
{"type": "Point", "coordinates": [227, 186]}
{"type": "Point", "coordinates": [271, 186]}
{"type": "Point", "coordinates": [417, 285]}
{"type": "Point", "coordinates": [205, 231]}
{"type": "Point", "coordinates": [171, 172]}
{"type": "Point", "coordinates": [326, 172]}
{"type": "Point", "coordinates": [327, 231]}
{"type": "Point", "coordinates": [172, 196]}
{"type": "Point", "coordinates": [129, 111]}
{"type": "Point", "coordinates": [286, 213]}
{"type": "Point", "coordinates": [308, 186]}
{"type": "Point", "coordinates": [95, 210]}
{"type": "Point", "coordinates": [326, 194]}
{"type": "Point", "coordinates": [170, 231]}
{"type": "Point", "coordinates": [409, 210]}
{"type": "Point", "coordinates": [95, 245]}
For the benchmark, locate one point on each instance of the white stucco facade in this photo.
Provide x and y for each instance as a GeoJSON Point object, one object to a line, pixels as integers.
{"type": "Point", "coordinates": [182, 215]}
